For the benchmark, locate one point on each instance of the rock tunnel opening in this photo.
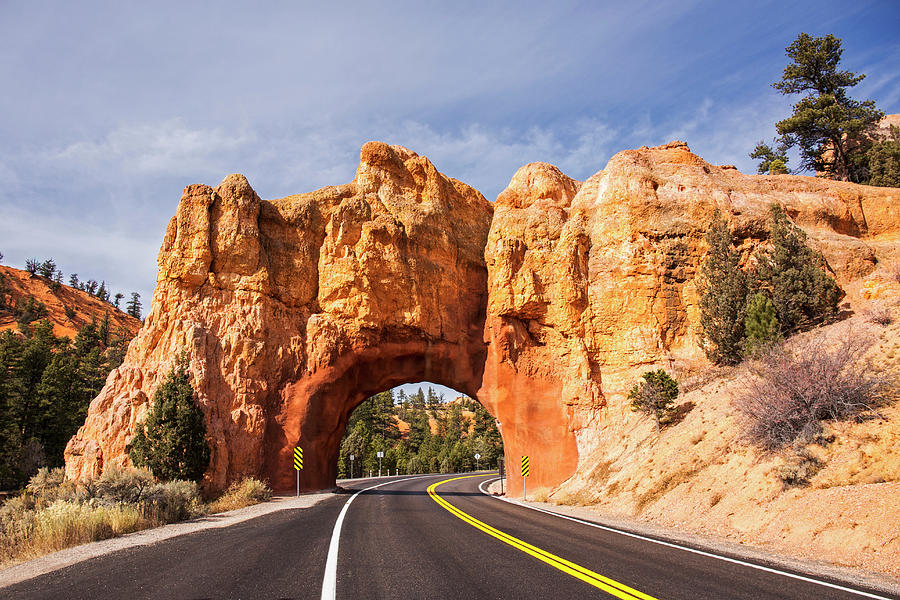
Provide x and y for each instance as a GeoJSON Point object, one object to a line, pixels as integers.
{"type": "Point", "coordinates": [418, 428]}
{"type": "Point", "coordinates": [316, 410]}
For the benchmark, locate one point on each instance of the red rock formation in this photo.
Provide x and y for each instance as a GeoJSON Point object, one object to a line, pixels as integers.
{"type": "Point", "coordinates": [590, 284]}
{"type": "Point", "coordinates": [295, 310]}
{"type": "Point", "coordinates": [16, 285]}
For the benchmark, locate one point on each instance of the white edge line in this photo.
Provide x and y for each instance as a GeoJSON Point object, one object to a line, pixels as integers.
{"type": "Point", "coordinates": [329, 581]}
{"type": "Point", "coordinates": [685, 548]}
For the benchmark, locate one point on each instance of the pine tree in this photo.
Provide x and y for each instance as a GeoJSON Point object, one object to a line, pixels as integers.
{"type": "Point", "coordinates": [884, 160]}
{"type": "Point", "coordinates": [172, 441]}
{"type": "Point", "coordinates": [773, 162]}
{"type": "Point", "coordinates": [73, 281]}
{"type": "Point", "coordinates": [723, 295]}
{"type": "Point", "coordinates": [133, 306]}
{"type": "Point", "coordinates": [118, 298]}
{"type": "Point", "coordinates": [47, 268]}
{"type": "Point", "coordinates": [827, 125]}
{"type": "Point", "coordinates": [761, 323]}
{"type": "Point", "coordinates": [793, 275]}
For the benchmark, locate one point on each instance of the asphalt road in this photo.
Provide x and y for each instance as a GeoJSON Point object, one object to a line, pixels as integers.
{"type": "Point", "coordinates": [399, 541]}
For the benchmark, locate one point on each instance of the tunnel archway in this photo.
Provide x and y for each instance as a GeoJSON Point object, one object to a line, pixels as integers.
{"type": "Point", "coordinates": [316, 413]}
{"type": "Point", "coordinates": [293, 311]}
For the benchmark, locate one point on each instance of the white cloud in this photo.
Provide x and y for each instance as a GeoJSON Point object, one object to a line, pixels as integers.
{"type": "Point", "coordinates": [149, 149]}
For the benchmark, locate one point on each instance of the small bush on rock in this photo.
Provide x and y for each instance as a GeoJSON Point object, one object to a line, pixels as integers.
{"type": "Point", "coordinates": [655, 395]}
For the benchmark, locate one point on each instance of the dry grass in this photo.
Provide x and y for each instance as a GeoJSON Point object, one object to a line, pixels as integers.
{"type": "Point", "coordinates": [246, 492]}
{"type": "Point", "coordinates": [578, 498]}
{"type": "Point", "coordinates": [668, 483]}
{"type": "Point", "coordinates": [52, 514]}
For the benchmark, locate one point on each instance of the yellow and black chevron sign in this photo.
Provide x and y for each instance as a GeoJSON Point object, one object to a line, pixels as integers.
{"type": "Point", "coordinates": [298, 458]}
{"type": "Point", "coordinates": [525, 469]}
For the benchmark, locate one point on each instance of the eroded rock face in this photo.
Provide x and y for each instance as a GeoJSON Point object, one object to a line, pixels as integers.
{"type": "Point", "coordinates": [590, 284]}
{"type": "Point", "coordinates": [293, 311]}
{"type": "Point", "coordinates": [544, 305]}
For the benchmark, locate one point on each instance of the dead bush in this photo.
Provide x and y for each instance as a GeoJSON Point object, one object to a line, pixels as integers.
{"type": "Point", "coordinates": [894, 272]}
{"type": "Point", "coordinates": [878, 313]}
{"type": "Point", "coordinates": [799, 469]}
{"type": "Point", "coordinates": [792, 388]}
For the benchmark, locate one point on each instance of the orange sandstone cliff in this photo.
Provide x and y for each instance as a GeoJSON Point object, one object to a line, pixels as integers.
{"type": "Point", "coordinates": [543, 305]}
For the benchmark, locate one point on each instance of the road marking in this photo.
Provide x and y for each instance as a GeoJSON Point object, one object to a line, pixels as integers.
{"type": "Point", "coordinates": [329, 581]}
{"type": "Point", "coordinates": [685, 548]}
{"type": "Point", "coordinates": [597, 580]}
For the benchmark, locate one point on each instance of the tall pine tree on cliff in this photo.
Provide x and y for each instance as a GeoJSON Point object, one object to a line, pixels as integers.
{"type": "Point", "coordinates": [723, 295]}
{"type": "Point", "coordinates": [827, 125]}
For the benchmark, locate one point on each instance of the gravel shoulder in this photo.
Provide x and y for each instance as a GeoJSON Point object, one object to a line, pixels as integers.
{"type": "Point", "coordinates": [70, 556]}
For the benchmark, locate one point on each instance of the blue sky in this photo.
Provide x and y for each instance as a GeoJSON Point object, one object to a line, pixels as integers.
{"type": "Point", "coordinates": [111, 108]}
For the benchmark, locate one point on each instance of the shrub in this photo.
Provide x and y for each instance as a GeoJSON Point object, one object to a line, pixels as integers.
{"type": "Point", "coordinates": [723, 295]}
{"type": "Point", "coordinates": [878, 313]}
{"type": "Point", "coordinates": [172, 501]}
{"type": "Point", "coordinates": [172, 441]}
{"type": "Point", "coordinates": [655, 395]}
{"type": "Point", "coordinates": [792, 388]}
{"type": "Point", "coordinates": [119, 485]}
{"type": "Point", "coordinates": [239, 494]}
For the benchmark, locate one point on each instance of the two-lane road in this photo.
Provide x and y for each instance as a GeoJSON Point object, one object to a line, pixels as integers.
{"type": "Point", "coordinates": [424, 537]}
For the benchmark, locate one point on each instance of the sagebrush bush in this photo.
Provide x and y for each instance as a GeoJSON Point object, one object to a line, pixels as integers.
{"type": "Point", "coordinates": [173, 501]}
{"type": "Point", "coordinates": [792, 388]}
{"type": "Point", "coordinates": [239, 494]}
{"type": "Point", "coordinates": [53, 513]}
{"type": "Point", "coordinates": [120, 485]}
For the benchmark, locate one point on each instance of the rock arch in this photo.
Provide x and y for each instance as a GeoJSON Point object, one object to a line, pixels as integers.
{"type": "Point", "coordinates": [545, 305]}
{"type": "Point", "coordinates": [295, 310]}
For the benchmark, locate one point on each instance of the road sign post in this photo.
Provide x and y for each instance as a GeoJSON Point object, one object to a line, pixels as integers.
{"type": "Point", "coordinates": [298, 465]}
{"type": "Point", "coordinates": [477, 458]}
{"type": "Point", "coordinates": [525, 470]}
{"type": "Point", "coordinates": [501, 471]}
{"type": "Point", "coordinates": [351, 466]}
{"type": "Point", "coordinates": [380, 456]}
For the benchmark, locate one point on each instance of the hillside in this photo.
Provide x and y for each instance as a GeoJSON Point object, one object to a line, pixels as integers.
{"type": "Point", "coordinates": [835, 499]}
{"type": "Point", "coordinates": [83, 308]}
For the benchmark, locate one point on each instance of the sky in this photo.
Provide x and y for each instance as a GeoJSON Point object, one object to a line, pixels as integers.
{"type": "Point", "coordinates": [109, 109]}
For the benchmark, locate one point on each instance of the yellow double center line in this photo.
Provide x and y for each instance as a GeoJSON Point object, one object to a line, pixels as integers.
{"type": "Point", "coordinates": [597, 580]}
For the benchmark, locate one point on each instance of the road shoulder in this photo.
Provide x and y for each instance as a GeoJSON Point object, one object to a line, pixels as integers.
{"type": "Point", "coordinates": [70, 556]}
{"type": "Point", "coordinates": [718, 546]}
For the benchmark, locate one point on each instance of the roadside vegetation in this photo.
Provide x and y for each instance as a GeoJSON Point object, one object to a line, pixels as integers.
{"type": "Point", "coordinates": [171, 452]}
{"type": "Point", "coordinates": [793, 385]}
{"type": "Point", "coordinates": [419, 433]}
{"type": "Point", "coordinates": [52, 513]}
